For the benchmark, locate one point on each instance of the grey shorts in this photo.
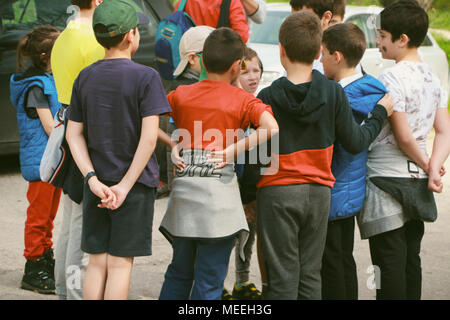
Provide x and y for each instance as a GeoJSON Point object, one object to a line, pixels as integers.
{"type": "Point", "coordinates": [124, 232]}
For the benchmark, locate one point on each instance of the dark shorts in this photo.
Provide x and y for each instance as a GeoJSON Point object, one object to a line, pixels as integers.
{"type": "Point", "coordinates": [124, 232]}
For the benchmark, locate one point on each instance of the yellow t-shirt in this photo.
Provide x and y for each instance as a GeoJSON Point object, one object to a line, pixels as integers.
{"type": "Point", "coordinates": [75, 49]}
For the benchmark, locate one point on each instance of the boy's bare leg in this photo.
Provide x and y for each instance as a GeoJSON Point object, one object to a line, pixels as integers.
{"type": "Point", "coordinates": [95, 278]}
{"type": "Point", "coordinates": [119, 275]}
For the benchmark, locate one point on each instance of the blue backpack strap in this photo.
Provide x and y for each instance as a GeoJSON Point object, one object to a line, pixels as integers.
{"type": "Point", "coordinates": [182, 5]}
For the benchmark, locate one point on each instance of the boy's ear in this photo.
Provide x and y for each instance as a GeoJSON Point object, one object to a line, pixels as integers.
{"type": "Point", "coordinates": [96, 3]}
{"type": "Point", "coordinates": [338, 57]}
{"type": "Point", "coordinates": [191, 58]}
{"type": "Point", "coordinates": [282, 50]}
{"type": "Point", "coordinates": [318, 53]}
{"type": "Point", "coordinates": [236, 67]}
{"type": "Point", "coordinates": [403, 40]}
{"type": "Point", "coordinates": [326, 17]}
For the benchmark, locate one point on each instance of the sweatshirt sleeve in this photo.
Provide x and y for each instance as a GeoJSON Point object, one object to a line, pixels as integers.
{"type": "Point", "coordinates": [353, 137]}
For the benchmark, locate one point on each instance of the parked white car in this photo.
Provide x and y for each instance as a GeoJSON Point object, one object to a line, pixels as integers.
{"type": "Point", "coordinates": [264, 40]}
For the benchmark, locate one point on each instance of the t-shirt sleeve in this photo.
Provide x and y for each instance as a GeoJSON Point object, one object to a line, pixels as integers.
{"type": "Point", "coordinates": [444, 99]}
{"type": "Point", "coordinates": [395, 88]}
{"type": "Point", "coordinates": [171, 99]}
{"type": "Point", "coordinates": [74, 111]}
{"type": "Point", "coordinates": [153, 100]}
{"type": "Point", "coordinates": [37, 98]}
{"type": "Point", "coordinates": [253, 110]}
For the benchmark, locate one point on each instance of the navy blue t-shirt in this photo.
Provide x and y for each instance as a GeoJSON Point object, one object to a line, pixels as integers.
{"type": "Point", "coordinates": [110, 98]}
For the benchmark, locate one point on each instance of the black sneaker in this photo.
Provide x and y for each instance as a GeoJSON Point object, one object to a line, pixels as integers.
{"type": "Point", "coordinates": [50, 260]}
{"type": "Point", "coordinates": [226, 295]}
{"type": "Point", "coordinates": [247, 292]}
{"type": "Point", "coordinates": [37, 277]}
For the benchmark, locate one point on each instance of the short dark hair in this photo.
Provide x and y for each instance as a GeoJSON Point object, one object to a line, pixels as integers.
{"type": "Point", "coordinates": [222, 48]}
{"type": "Point", "coordinates": [301, 36]}
{"type": "Point", "coordinates": [339, 7]}
{"type": "Point", "coordinates": [318, 6]}
{"type": "Point", "coordinates": [83, 4]}
{"type": "Point", "coordinates": [405, 17]}
{"type": "Point", "coordinates": [348, 39]}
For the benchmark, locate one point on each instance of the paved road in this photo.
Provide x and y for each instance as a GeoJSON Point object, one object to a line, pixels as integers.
{"type": "Point", "coordinates": [148, 272]}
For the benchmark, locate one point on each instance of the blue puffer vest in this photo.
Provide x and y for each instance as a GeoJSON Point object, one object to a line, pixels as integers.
{"type": "Point", "coordinates": [349, 191]}
{"type": "Point", "coordinates": [33, 138]}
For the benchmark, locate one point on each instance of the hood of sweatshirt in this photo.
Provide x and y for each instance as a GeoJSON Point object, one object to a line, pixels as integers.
{"type": "Point", "coordinates": [304, 101]}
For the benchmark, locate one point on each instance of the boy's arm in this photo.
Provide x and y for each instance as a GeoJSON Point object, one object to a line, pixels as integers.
{"type": "Point", "coordinates": [406, 140]}
{"type": "Point", "coordinates": [145, 148]}
{"type": "Point", "coordinates": [441, 149]}
{"type": "Point", "coordinates": [173, 145]}
{"type": "Point", "coordinates": [353, 137]}
{"type": "Point", "coordinates": [45, 115]}
{"type": "Point", "coordinates": [79, 151]}
{"type": "Point", "coordinates": [268, 127]}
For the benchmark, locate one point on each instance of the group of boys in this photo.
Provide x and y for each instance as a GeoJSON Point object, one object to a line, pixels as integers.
{"type": "Point", "coordinates": [113, 143]}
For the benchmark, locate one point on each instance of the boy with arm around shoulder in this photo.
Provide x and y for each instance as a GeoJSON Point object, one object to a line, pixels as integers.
{"type": "Point", "coordinates": [116, 105]}
{"type": "Point", "coordinates": [343, 46]}
{"type": "Point", "coordinates": [312, 113]}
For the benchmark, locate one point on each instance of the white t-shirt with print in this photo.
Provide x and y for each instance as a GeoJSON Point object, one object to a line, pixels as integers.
{"type": "Point", "coordinates": [418, 92]}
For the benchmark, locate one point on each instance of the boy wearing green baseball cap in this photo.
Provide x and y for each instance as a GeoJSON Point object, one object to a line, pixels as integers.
{"type": "Point", "coordinates": [112, 132]}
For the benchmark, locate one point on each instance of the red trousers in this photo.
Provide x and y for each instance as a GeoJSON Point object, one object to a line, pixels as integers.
{"type": "Point", "coordinates": [44, 201]}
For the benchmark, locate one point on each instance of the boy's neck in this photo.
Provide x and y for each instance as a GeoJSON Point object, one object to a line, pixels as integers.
{"type": "Point", "coordinates": [298, 72]}
{"type": "Point", "coordinates": [344, 73]}
{"type": "Point", "coordinates": [408, 54]}
{"type": "Point", "coordinates": [225, 77]}
{"type": "Point", "coordinates": [117, 53]}
{"type": "Point", "coordinates": [85, 16]}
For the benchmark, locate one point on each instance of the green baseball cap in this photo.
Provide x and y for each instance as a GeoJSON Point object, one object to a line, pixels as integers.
{"type": "Point", "coordinates": [119, 17]}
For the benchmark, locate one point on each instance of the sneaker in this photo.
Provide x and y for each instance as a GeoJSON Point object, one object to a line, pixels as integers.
{"type": "Point", "coordinates": [162, 190]}
{"type": "Point", "coordinates": [50, 260]}
{"type": "Point", "coordinates": [226, 295]}
{"type": "Point", "coordinates": [37, 277]}
{"type": "Point", "coordinates": [247, 292]}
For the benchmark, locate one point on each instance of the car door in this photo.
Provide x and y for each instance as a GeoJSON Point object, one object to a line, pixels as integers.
{"type": "Point", "coordinates": [18, 17]}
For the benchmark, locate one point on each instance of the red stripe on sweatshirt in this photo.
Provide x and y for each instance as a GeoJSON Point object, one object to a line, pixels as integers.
{"type": "Point", "coordinates": [306, 166]}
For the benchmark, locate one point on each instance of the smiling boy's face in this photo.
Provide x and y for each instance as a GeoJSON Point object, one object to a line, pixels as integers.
{"type": "Point", "coordinates": [387, 48]}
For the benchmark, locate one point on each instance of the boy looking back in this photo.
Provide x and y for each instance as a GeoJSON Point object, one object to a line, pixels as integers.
{"type": "Point", "coordinates": [400, 174]}
{"type": "Point", "coordinates": [343, 46]}
{"type": "Point", "coordinates": [112, 132]}
{"type": "Point", "coordinates": [293, 203]}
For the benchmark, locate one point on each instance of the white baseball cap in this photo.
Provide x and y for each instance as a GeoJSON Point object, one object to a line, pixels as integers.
{"type": "Point", "coordinates": [192, 41]}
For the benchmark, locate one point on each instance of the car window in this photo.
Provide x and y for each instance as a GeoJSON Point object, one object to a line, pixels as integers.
{"type": "Point", "coordinates": [366, 23]}
{"type": "Point", "coordinates": [267, 32]}
{"type": "Point", "coordinates": [26, 14]}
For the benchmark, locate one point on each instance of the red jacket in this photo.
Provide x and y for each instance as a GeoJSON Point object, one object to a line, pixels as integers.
{"type": "Point", "coordinates": [206, 12]}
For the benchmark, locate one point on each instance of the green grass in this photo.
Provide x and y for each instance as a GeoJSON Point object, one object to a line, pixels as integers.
{"type": "Point", "coordinates": [443, 42]}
